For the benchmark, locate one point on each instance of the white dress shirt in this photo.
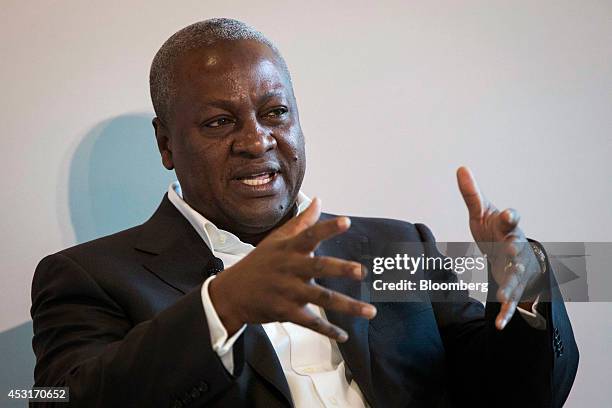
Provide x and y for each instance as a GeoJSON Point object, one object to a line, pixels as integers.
{"type": "Point", "coordinates": [311, 362]}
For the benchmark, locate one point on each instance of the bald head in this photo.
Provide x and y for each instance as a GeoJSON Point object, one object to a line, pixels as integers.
{"type": "Point", "coordinates": [203, 34]}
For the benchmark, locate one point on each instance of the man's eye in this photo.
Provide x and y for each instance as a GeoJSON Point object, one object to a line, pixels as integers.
{"type": "Point", "coordinates": [218, 122]}
{"type": "Point", "coordinates": [276, 112]}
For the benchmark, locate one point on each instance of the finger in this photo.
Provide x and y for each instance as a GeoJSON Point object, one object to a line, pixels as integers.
{"type": "Point", "coordinates": [308, 240]}
{"type": "Point", "coordinates": [507, 221]}
{"type": "Point", "coordinates": [310, 320]}
{"type": "Point", "coordinates": [524, 278]}
{"type": "Point", "coordinates": [329, 299]}
{"type": "Point", "coordinates": [513, 275]}
{"type": "Point", "coordinates": [521, 253]}
{"type": "Point", "coordinates": [516, 283]}
{"type": "Point", "coordinates": [510, 248]}
{"type": "Point", "coordinates": [505, 290]}
{"type": "Point", "coordinates": [472, 196]}
{"type": "Point", "coordinates": [519, 268]}
{"type": "Point", "coordinates": [305, 219]}
{"type": "Point", "coordinates": [517, 294]}
{"type": "Point", "coordinates": [327, 266]}
{"type": "Point", "coordinates": [505, 314]}
{"type": "Point", "coordinates": [514, 245]}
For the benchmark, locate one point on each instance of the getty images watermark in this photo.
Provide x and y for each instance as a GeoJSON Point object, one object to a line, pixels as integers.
{"type": "Point", "coordinates": [408, 271]}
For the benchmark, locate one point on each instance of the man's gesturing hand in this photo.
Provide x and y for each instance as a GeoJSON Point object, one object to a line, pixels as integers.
{"type": "Point", "coordinates": [497, 234]}
{"type": "Point", "coordinates": [275, 281]}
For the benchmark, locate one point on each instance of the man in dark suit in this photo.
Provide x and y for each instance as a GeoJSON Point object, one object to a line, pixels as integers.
{"type": "Point", "coordinates": [239, 292]}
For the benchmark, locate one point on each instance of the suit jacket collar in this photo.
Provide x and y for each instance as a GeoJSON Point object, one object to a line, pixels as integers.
{"type": "Point", "coordinates": [163, 229]}
{"type": "Point", "coordinates": [182, 256]}
{"type": "Point", "coordinates": [182, 259]}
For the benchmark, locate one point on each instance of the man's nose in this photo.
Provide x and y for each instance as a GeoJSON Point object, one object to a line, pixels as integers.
{"type": "Point", "coordinates": [254, 140]}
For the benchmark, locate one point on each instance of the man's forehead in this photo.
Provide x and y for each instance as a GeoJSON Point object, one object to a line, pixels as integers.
{"type": "Point", "coordinates": [235, 69]}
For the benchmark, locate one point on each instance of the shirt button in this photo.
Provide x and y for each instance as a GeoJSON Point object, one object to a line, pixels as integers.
{"type": "Point", "coordinates": [333, 401]}
{"type": "Point", "coordinates": [222, 239]}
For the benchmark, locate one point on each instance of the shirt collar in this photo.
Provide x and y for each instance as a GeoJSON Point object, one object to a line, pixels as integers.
{"type": "Point", "coordinates": [216, 239]}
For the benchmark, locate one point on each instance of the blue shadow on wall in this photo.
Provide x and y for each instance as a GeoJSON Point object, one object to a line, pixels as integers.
{"type": "Point", "coordinates": [17, 363]}
{"type": "Point", "coordinates": [116, 177]}
{"type": "Point", "coordinates": [116, 181]}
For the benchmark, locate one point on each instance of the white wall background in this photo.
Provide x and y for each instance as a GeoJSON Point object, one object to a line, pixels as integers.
{"type": "Point", "coordinates": [393, 97]}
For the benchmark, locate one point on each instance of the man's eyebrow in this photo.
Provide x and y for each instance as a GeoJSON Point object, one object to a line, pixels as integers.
{"type": "Point", "coordinates": [270, 95]}
{"type": "Point", "coordinates": [227, 104]}
{"type": "Point", "coordinates": [219, 103]}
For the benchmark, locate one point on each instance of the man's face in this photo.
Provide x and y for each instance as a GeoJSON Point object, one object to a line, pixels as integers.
{"type": "Point", "coordinates": [233, 136]}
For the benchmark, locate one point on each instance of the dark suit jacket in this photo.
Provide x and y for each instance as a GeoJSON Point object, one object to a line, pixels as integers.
{"type": "Point", "coordinates": [120, 321]}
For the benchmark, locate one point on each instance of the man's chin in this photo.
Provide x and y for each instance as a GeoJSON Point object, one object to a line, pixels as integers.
{"type": "Point", "coordinates": [261, 216]}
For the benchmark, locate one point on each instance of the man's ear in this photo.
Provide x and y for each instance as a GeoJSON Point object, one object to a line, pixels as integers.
{"type": "Point", "coordinates": [163, 143]}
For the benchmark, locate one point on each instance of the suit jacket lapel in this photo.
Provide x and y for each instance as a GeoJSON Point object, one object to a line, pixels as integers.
{"type": "Point", "coordinates": [181, 262]}
{"type": "Point", "coordinates": [183, 267]}
{"type": "Point", "coordinates": [182, 255]}
{"type": "Point", "coordinates": [261, 356]}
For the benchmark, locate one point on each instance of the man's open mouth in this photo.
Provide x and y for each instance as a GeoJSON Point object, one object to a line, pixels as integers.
{"type": "Point", "coordinates": [258, 179]}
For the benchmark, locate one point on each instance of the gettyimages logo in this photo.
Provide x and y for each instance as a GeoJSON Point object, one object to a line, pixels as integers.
{"type": "Point", "coordinates": [408, 271]}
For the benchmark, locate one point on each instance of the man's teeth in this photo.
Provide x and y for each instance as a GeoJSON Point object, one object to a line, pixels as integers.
{"type": "Point", "coordinates": [258, 179]}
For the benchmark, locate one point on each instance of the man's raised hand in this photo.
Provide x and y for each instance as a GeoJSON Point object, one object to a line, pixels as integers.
{"type": "Point", "coordinates": [498, 235]}
{"type": "Point", "coordinates": [275, 281]}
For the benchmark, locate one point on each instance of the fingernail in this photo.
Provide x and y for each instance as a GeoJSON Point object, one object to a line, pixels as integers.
{"type": "Point", "coordinates": [344, 222]}
{"type": "Point", "coordinates": [368, 311]}
{"type": "Point", "coordinates": [342, 337]}
{"type": "Point", "coordinates": [354, 269]}
{"type": "Point", "coordinates": [357, 271]}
